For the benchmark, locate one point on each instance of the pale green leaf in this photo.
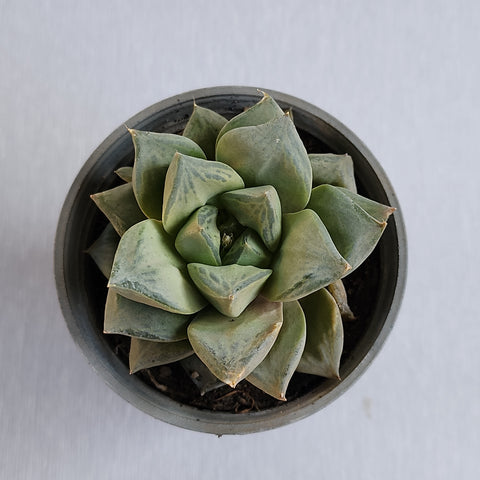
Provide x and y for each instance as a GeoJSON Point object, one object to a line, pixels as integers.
{"type": "Point", "coordinates": [354, 231]}
{"type": "Point", "coordinates": [125, 173]}
{"type": "Point", "coordinates": [153, 154]}
{"type": "Point", "coordinates": [262, 112]}
{"type": "Point", "coordinates": [199, 239]}
{"type": "Point", "coordinates": [274, 373]}
{"type": "Point", "coordinates": [148, 269]}
{"type": "Point", "coordinates": [324, 344]}
{"type": "Point", "coordinates": [147, 354]}
{"type": "Point", "coordinates": [119, 206]}
{"type": "Point", "coordinates": [270, 154]}
{"type": "Point", "coordinates": [333, 169]}
{"type": "Point", "coordinates": [203, 127]}
{"type": "Point", "coordinates": [229, 288]}
{"type": "Point", "coordinates": [338, 292]}
{"type": "Point", "coordinates": [189, 184]}
{"type": "Point", "coordinates": [125, 317]}
{"type": "Point", "coordinates": [103, 249]}
{"type": "Point", "coordinates": [258, 208]}
{"type": "Point", "coordinates": [248, 249]}
{"type": "Point", "coordinates": [377, 210]}
{"type": "Point", "coordinates": [307, 259]}
{"type": "Point", "coordinates": [200, 375]}
{"type": "Point", "coordinates": [232, 347]}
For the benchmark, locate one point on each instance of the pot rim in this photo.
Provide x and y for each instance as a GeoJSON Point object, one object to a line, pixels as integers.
{"type": "Point", "coordinates": [164, 408]}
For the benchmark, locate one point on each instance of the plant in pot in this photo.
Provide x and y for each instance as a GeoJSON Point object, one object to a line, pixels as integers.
{"type": "Point", "coordinates": [227, 250]}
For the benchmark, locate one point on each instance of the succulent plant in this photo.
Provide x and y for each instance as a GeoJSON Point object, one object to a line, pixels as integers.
{"type": "Point", "coordinates": [226, 248]}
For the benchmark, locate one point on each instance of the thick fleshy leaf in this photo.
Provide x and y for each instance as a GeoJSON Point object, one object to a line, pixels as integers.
{"type": "Point", "coordinates": [354, 230]}
{"type": "Point", "coordinates": [147, 354]}
{"type": "Point", "coordinates": [377, 210]}
{"type": "Point", "coordinates": [125, 317]}
{"type": "Point", "coordinates": [200, 375]}
{"type": "Point", "coordinates": [338, 292]}
{"type": "Point", "coordinates": [199, 239]}
{"type": "Point", "coordinates": [119, 206]}
{"type": "Point", "coordinates": [232, 347]}
{"type": "Point", "coordinates": [189, 184]}
{"type": "Point", "coordinates": [148, 269]}
{"type": "Point", "coordinates": [307, 259]}
{"type": "Point", "coordinates": [324, 345]}
{"type": "Point", "coordinates": [103, 249]}
{"type": "Point", "coordinates": [248, 249]}
{"type": "Point", "coordinates": [262, 112]}
{"type": "Point", "coordinates": [203, 127]}
{"type": "Point", "coordinates": [333, 169]}
{"type": "Point", "coordinates": [274, 373]}
{"type": "Point", "coordinates": [258, 208]}
{"type": "Point", "coordinates": [270, 154]}
{"type": "Point", "coordinates": [229, 288]}
{"type": "Point", "coordinates": [125, 173]}
{"type": "Point", "coordinates": [153, 154]}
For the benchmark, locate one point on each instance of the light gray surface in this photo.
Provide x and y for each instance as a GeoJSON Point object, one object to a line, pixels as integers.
{"type": "Point", "coordinates": [404, 76]}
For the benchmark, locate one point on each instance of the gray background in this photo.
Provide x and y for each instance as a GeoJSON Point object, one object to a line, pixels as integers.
{"type": "Point", "coordinates": [404, 76]}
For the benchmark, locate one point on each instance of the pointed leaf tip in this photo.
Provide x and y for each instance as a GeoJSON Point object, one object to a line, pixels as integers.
{"type": "Point", "coordinates": [199, 238]}
{"type": "Point", "coordinates": [271, 153]}
{"type": "Point", "coordinates": [306, 260]}
{"type": "Point", "coordinates": [231, 349]}
{"type": "Point", "coordinates": [273, 374]}
{"type": "Point", "coordinates": [324, 345]}
{"type": "Point", "coordinates": [118, 204]}
{"type": "Point", "coordinates": [229, 288]}
{"type": "Point", "coordinates": [190, 183]}
{"type": "Point", "coordinates": [354, 222]}
{"type": "Point", "coordinates": [258, 208]}
{"type": "Point", "coordinates": [153, 154]}
{"type": "Point", "coordinates": [148, 269]}
{"type": "Point", "coordinates": [203, 128]}
{"type": "Point", "coordinates": [134, 319]}
{"type": "Point", "coordinates": [147, 354]}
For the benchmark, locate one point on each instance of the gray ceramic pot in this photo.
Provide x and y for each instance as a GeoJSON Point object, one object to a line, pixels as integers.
{"type": "Point", "coordinates": [82, 294]}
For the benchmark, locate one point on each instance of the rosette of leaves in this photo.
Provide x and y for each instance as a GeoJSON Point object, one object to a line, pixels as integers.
{"type": "Point", "coordinates": [226, 246]}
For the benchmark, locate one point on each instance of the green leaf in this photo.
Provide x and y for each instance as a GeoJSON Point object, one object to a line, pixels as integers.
{"type": "Point", "coordinates": [229, 288]}
{"type": "Point", "coordinates": [199, 239]}
{"type": "Point", "coordinates": [274, 373]}
{"type": "Point", "coordinates": [324, 345]}
{"type": "Point", "coordinates": [203, 127]}
{"type": "Point", "coordinates": [232, 347]}
{"type": "Point", "coordinates": [348, 218]}
{"type": "Point", "coordinates": [270, 154]}
{"type": "Point", "coordinates": [125, 173]}
{"type": "Point", "coordinates": [307, 259]}
{"type": "Point", "coordinates": [200, 375]}
{"type": "Point", "coordinates": [262, 112]}
{"type": "Point", "coordinates": [378, 211]}
{"type": "Point", "coordinates": [258, 208]}
{"type": "Point", "coordinates": [119, 206]}
{"type": "Point", "coordinates": [338, 292]}
{"type": "Point", "coordinates": [125, 317]}
{"type": "Point", "coordinates": [333, 169]}
{"type": "Point", "coordinates": [148, 269]}
{"type": "Point", "coordinates": [153, 154]}
{"type": "Point", "coordinates": [103, 249]}
{"type": "Point", "coordinates": [147, 354]}
{"type": "Point", "coordinates": [248, 249]}
{"type": "Point", "coordinates": [189, 184]}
